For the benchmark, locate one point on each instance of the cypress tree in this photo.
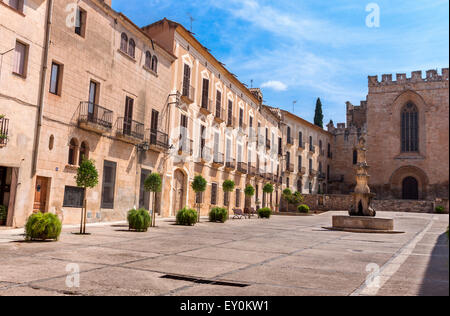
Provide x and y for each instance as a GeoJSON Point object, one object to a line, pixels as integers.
{"type": "Point", "coordinates": [318, 118]}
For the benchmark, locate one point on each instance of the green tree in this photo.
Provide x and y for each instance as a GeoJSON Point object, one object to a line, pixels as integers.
{"type": "Point", "coordinates": [153, 184]}
{"type": "Point", "coordinates": [249, 193]}
{"type": "Point", "coordinates": [318, 117]}
{"type": "Point", "coordinates": [228, 187]}
{"type": "Point", "coordinates": [199, 186]}
{"type": "Point", "coordinates": [87, 177]}
{"type": "Point", "coordinates": [287, 195]}
{"type": "Point", "coordinates": [267, 189]}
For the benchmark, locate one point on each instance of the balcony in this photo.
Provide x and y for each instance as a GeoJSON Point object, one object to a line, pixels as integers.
{"type": "Point", "coordinates": [252, 135]}
{"type": "Point", "coordinates": [242, 167]}
{"type": "Point", "coordinates": [230, 164]}
{"type": "Point", "coordinates": [312, 150]}
{"type": "Point", "coordinates": [302, 171]}
{"type": "Point", "coordinates": [242, 128]}
{"type": "Point", "coordinates": [322, 176]}
{"type": "Point", "coordinates": [220, 114]}
{"type": "Point", "coordinates": [185, 146]}
{"type": "Point", "coordinates": [268, 143]}
{"type": "Point", "coordinates": [93, 117]}
{"type": "Point", "coordinates": [206, 107]}
{"type": "Point", "coordinates": [157, 140]}
{"type": "Point", "coordinates": [130, 131]}
{"type": "Point", "coordinates": [251, 170]}
{"type": "Point", "coordinates": [330, 155]}
{"type": "Point", "coordinates": [218, 160]}
{"type": "Point", "coordinates": [312, 173]}
{"type": "Point", "coordinates": [290, 141]}
{"type": "Point", "coordinates": [187, 93]}
{"type": "Point", "coordinates": [4, 124]}
{"type": "Point", "coordinates": [205, 154]}
{"type": "Point", "coordinates": [290, 167]}
{"type": "Point", "coordinates": [231, 121]}
{"type": "Point", "coordinates": [301, 146]}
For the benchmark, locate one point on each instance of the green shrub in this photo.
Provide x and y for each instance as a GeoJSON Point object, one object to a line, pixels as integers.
{"type": "Point", "coordinates": [218, 214]}
{"type": "Point", "coordinates": [43, 227]}
{"type": "Point", "coordinates": [303, 209]}
{"type": "Point", "coordinates": [3, 213]}
{"type": "Point", "coordinates": [139, 220]}
{"type": "Point", "coordinates": [264, 212]}
{"type": "Point", "coordinates": [187, 217]}
{"type": "Point", "coordinates": [440, 209]}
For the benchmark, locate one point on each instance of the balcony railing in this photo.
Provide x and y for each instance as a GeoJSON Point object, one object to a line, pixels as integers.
{"type": "Point", "coordinates": [205, 154]}
{"type": "Point", "coordinates": [301, 146]}
{"type": "Point", "coordinates": [158, 140]}
{"type": "Point", "coordinates": [94, 117]}
{"type": "Point", "coordinates": [252, 135]}
{"type": "Point", "coordinates": [230, 163]}
{"type": "Point", "coordinates": [129, 129]}
{"type": "Point", "coordinates": [218, 159]}
{"type": "Point", "coordinates": [251, 170]}
{"type": "Point", "coordinates": [187, 93]}
{"type": "Point", "coordinates": [290, 140]}
{"type": "Point", "coordinates": [242, 128]}
{"type": "Point", "coordinates": [206, 106]}
{"type": "Point", "coordinates": [302, 171]}
{"type": "Point", "coordinates": [312, 150]}
{"type": "Point", "coordinates": [4, 125]}
{"type": "Point", "coordinates": [290, 167]}
{"type": "Point", "coordinates": [322, 176]}
{"type": "Point", "coordinates": [220, 114]}
{"type": "Point", "coordinates": [242, 167]}
{"type": "Point", "coordinates": [231, 121]}
{"type": "Point", "coordinates": [185, 146]}
{"type": "Point", "coordinates": [312, 172]}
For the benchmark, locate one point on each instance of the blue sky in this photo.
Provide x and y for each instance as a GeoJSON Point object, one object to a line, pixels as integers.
{"type": "Point", "coordinates": [301, 50]}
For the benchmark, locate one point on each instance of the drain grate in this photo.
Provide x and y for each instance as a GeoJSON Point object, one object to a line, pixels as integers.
{"type": "Point", "coordinates": [202, 281]}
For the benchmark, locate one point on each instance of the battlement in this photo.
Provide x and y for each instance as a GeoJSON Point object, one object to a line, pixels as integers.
{"type": "Point", "coordinates": [416, 76]}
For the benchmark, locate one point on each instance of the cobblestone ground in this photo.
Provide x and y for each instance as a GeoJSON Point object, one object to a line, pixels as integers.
{"type": "Point", "coordinates": [280, 256]}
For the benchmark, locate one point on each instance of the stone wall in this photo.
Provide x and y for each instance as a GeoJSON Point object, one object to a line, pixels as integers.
{"type": "Point", "coordinates": [406, 206]}
{"type": "Point", "coordinates": [318, 202]}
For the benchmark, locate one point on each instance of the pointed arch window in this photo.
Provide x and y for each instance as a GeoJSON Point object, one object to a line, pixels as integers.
{"type": "Point", "coordinates": [148, 60]}
{"type": "Point", "coordinates": [410, 128]}
{"type": "Point", "coordinates": [131, 48]}
{"type": "Point", "coordinates": [155, 63]}
{"type": "Point", "coordinates": [124, 43]}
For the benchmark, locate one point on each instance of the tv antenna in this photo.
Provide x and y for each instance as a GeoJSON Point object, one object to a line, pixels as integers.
{"type": "Point", "coordinates": [293, 106]}
{"type": "Point", "coordinates": [191, 20]}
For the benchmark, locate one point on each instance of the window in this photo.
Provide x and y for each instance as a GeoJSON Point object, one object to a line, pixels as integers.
{"type": "Point", "coordinates": [311, 145]}
{"type": "Point", "coordinates": [355, 157]}
{"type": "Point", "coordinates": [300, 140]}
{"type": "Point", "coordinates": [289, 135]}
{"type": "Point", "coordinates": [230, 112]}
{"type": "Point", "coordinates": [84, 152]}
{"type": "Point", "coordinates": [73, 197]}
{"type": "Point", "coordinates": [131, 48]}
{"type": "Point", "coordinates": [300, 162]}
{"type": "Point", "coordinates": [73, 146]}
{"type": "Point", "coordinates": [320, 166]}
{"type": "Point", "coordinates": [410, 128]}
{"type": "Point", "coordinates": [310, 166]}
{"type": "Point", "coordinates": [288, 183]}
{"type": "Point", "coordinates": [238, 197]}
{"type": "Point", "coordinates": [109, 182]}
{"type": "Point", "coordinates": [186, 80]}
{"type": "Point", "coordinates": [148, 60]}
{"type": "Point", "coordinates": [155, 63]}
{"type": "Point", "coordinates": [56, 78]}
{"type": "Point", "coordinates": [80, 23]}
{"type": "Point", "coordinates": [124, 43]}
{"type": "Point", "coordinates": [16, 4]}
{"type": "Point", "coordinates": [310, 188]}
{"type": "Point", "coordinates": [329, 150]}
{"type": "Point", "coordinates": [288, 160]}
{"type": "Point", "coordinates": [20, 59]}
{"type": "Point", "coordinates": [328, 172]}
{"type": "Point", "coordinates": [214, 194]}
{"type": "Point", "coordinates": [205, 94]}
{"type": "Point", "coordinates": [299, 186]}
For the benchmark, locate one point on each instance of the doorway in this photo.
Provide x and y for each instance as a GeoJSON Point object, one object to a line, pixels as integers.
{"type": "Point", "coordinates": [410, 189]}
{"type": "Point", "coordinates": [144, 196]}
{"type": "Point", "coordinates": [179, 191]}
{"type": "Point", "coordinates": [40, 195]}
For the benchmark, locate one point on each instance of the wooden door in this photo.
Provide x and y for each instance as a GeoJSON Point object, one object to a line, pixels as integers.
{"type": "Point", "coordinates": [179, 187]}
{"type": "Point", "coordinates": [40, 194]}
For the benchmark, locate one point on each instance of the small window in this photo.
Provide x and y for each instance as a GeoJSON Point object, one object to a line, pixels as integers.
{"type": "Point", "coordinates": [73, 146]}
{"type": "Point", "coordinates": [80, 23]}
{"type": "Point", "coordinates": [131, 48]}
{"type": "Point", "coordinates": [84, 152]}
{"type": "Point", "coordinates": [124, 43]}
{"type": "Point", "coordinates": [355, 157]}
{"type": "Point", "coordinates": [155, 63]}
{"type": "Point", "coordinates": [56, 78]}
{"type": "Point", "coordinates": [16, 4]}
{"type": "Point", "coordinates": [20, 59]}
{"type": "Point", "coordinates": [148, 60]}
{"type": "Point", "coordinates": [51, 142]}
{"type": "Point", "coordinates": [73, 197]}
{"type": "Point", "coordinates": [109, 182]}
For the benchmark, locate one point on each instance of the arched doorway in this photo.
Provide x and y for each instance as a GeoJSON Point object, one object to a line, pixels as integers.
{"type": "Point", "coordinates": [410, 188]}
{"type": "Point", "coordinates": [179, 188]}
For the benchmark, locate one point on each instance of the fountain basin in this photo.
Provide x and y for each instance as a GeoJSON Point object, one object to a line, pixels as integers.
{"type": "Point", "coordinates": [362, 224]}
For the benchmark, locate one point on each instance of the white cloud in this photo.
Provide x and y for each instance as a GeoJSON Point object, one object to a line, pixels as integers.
{"type": "Point", "coordinates": [274, 85]}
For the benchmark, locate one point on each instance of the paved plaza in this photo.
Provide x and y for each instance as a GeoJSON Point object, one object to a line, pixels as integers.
{"type": "Point", "coordinates": [286, 255]}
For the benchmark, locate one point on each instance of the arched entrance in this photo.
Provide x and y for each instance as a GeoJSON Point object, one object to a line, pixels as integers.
{"type": "Point", "coordinates": [179, 187]}
{"type": "Point", "coordinates": [410, 188]}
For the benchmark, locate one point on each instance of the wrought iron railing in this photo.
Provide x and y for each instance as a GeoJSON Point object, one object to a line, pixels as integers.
{"type": "Point", "coordinates": [230, 163]}
{"type": "Point", "coordinates": [242, 167]}
{"type": "Point", "coordinates": [188, 91]}
{"type": "Point", "coordinates": [130, 128]}
{"type": "Point", "coordinates": [95, 114]}
{"type": "Point", "coordinates": [218, 159]}
{"type": "Point", "coordinates": [158, 138]}
{"type": "Point", "coordinates": [207, 105]}
{"type": "Point", "coordinates": [186, 146]}
{"type": "Point", "coordinates": [220, 113]}
{"type": "Point", "coordinates": [4, 126]}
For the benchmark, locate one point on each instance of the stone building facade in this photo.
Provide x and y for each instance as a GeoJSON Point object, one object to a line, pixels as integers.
{"type": "Point", "coordinates": [406, 121]}
{"type": "Point", "coordinates": [22, 33]}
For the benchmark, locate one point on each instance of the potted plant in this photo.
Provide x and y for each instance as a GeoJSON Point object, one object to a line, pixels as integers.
{"type": "Point", "coordinates": [139, 220]}
{"type": "Point", "coordinates": [153, 183]}
{"type": "Point", "coordinates": [199, 186]}
{"type": "Point", "coordinates": [186, 217]}
{"type": "Point", "coordinates": [43, 227]}
{"type": "Point", "coordinates": [3, 215]}
{"type": "Point", "coordinates": [87, 177]}
{"type": "Point", "coordinates": [228, 187]}
{"type": "Point", "coordinates": [267, 189]}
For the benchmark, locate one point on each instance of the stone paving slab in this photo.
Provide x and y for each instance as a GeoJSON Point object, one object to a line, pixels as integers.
{"type": "Point", "coordinates": [281, 256]}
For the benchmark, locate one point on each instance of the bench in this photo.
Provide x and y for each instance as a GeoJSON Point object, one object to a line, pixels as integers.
{"type": "Point", "coordinates": [250, 212]}
{"type": "Point", "coordinates": [238, 213]}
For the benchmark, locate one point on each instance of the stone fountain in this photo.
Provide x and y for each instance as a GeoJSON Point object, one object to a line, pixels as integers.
{"type": "Point", "coordinates": [361, 217]}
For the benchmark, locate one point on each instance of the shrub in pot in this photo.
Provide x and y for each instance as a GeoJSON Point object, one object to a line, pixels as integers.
{"type": "Point", "coordinates": [139, 220]}
{"type": "Point", "coordinates": [440, 209]}
{"type": "Point", "coordinates": [187, 217]}
{"type": "Point", "coordinates": [41, 226]}
{"type": "Point", "coordinates": [218, 214]}
{"type": "Point", "coordinates": [264, 212]}
{"type": "Point", "coordinates": [303, 209]}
